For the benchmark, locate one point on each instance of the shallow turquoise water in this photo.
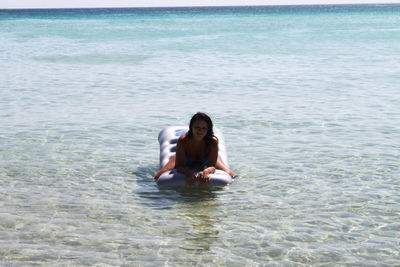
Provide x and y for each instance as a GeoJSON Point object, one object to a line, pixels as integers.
{"type": "Point", "coordinates": [307, 98]}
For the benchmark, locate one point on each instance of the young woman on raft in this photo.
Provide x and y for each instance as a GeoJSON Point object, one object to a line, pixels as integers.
{"type": "Point", "coordinates": [197, 149]}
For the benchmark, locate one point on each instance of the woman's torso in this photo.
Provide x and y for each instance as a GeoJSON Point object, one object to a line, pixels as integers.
{"type": "Point", "coordinates": [196, 152]}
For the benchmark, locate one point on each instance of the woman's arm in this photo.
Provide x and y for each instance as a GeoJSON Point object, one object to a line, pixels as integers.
{"type": "Point", "coordinates": [180, 163]}
{"type": "Point", "coordinates": [212, 160]}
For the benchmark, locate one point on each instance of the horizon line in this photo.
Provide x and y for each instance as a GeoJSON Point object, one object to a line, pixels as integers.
{"type": "Point", "coordinates": [204, 6]}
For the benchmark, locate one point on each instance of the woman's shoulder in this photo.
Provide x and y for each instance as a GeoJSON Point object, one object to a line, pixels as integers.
{"type": "Point", "coordinates": [214, 140]}
{"type": "Point", "coordinates": [183, 137]}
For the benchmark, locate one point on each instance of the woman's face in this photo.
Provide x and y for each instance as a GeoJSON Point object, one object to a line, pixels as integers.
{"type": "Point", "coordinates": [199, 129]}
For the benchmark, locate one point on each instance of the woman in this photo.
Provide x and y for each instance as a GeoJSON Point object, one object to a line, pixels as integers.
{"type": "Point", "coordinates": [197, 150]}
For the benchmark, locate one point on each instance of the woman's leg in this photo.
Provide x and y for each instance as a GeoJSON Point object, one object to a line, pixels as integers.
{"type": "Point", "coordinates": [169, 166]}
{"type": "Point", "coordinates": [221, 166]}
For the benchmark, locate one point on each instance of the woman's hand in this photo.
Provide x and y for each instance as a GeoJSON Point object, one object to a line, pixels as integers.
{"type": "Point", "coordinates": [203, 176]}
{"type": "Point", "coordinates": [190, 178]}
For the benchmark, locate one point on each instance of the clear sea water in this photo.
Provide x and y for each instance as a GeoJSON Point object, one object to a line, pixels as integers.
{"type": "Point", "coordinates": [308, 99]}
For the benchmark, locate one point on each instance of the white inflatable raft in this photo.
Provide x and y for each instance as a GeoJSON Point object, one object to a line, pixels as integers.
{"type": "Point", "coordinates": [168, 139]}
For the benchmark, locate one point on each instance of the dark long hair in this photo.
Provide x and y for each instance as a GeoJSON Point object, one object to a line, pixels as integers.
{"type": "Point", "coordinates": [204, 117]}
